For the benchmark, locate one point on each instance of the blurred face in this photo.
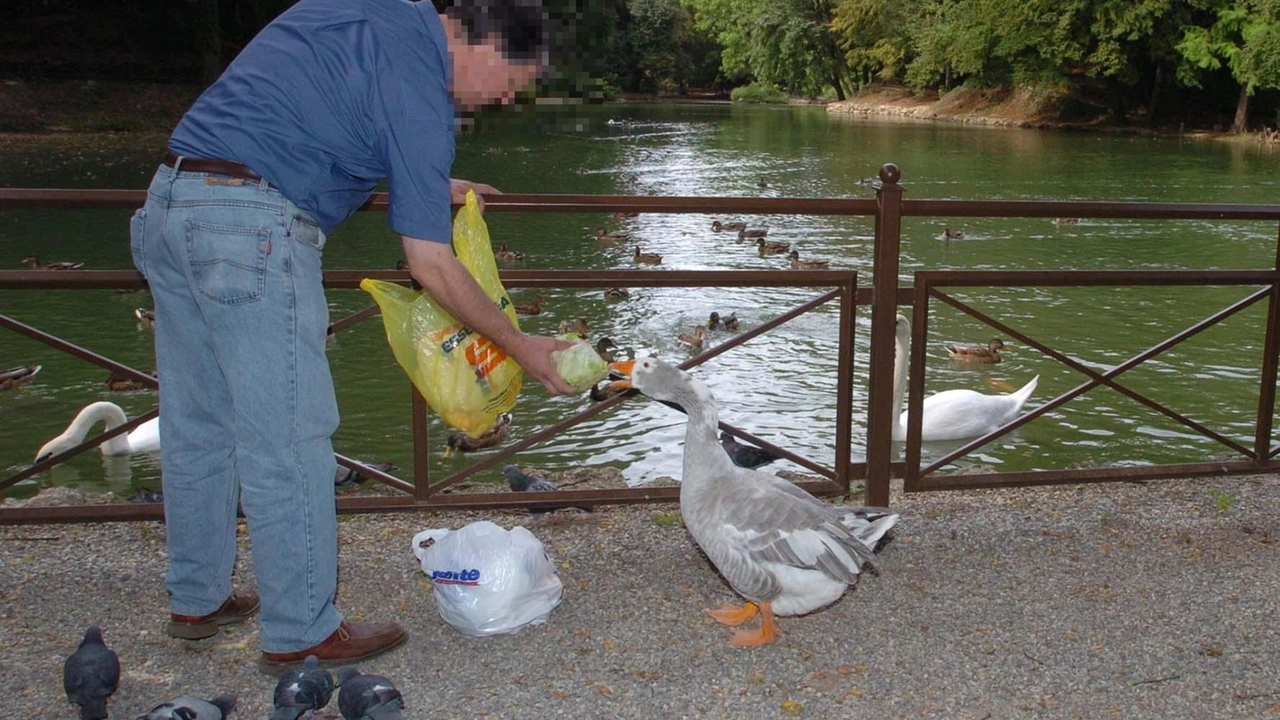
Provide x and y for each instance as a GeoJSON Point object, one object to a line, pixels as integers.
{"type": "Point", "coordinates": [482, 75]}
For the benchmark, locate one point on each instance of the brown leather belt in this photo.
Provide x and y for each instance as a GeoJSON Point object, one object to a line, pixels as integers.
{"type": "Point", "coordinates": [217, 167]}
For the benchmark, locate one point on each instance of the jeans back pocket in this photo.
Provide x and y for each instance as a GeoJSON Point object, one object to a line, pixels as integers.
{"type": "Point", "coordinates": [229, 264]}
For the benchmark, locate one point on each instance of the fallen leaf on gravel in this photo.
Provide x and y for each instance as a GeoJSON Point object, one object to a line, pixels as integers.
{"type": "Point", "coordinates": [604, 690]}
{"type": "Point", "coordinates": [792, 708]}
{"type": "Point", "coordinates": [610, 644]}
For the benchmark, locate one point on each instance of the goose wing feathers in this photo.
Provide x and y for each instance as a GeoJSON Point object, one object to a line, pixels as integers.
{"type": "Point", "coordinates": [777, 522]}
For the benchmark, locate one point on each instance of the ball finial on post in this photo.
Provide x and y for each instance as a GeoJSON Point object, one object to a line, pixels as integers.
{"type": "Point", "coordinates": [890, 174]}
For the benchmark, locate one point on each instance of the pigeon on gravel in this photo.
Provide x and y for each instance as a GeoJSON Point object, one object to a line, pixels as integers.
{"type": "Point", "coordinates": [193, 708]}
{"type": "Point", "coordinates": [747, 456]}
{"type": "Point", "coordinates": [524, 482]}
{"type": "Point", "coordinates": [302, 690]}
{"type": "Point", "coordinates": [368, 697]}
{"type": "Point", "coordinates": [90, 675]}
{"type": "Point", "coordinates": [346, 477]}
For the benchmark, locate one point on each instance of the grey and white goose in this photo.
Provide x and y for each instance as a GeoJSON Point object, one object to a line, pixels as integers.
{"type": "Point", "coordinates": [783, 550]}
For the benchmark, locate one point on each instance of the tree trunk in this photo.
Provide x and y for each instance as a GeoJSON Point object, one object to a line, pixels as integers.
{"type": "Point", "coordinates": [1155, 96]}
{"type": "Point", "coordinates": [209, 40]}
{"type": "Point", "coordinates": [1241, 122]}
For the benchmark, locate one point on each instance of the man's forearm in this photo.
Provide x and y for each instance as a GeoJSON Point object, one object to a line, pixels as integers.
{"type": "Point", "coordinates": [452, 286]}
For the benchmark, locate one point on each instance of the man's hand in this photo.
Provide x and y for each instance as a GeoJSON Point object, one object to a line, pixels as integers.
{"type": "Point", "coordinates": [458, 191]}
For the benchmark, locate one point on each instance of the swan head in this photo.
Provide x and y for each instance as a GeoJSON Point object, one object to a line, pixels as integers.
{"type": "Point", "coordinates": [55, 446]}
{"type": "Point", "coordinates": [661, 381]}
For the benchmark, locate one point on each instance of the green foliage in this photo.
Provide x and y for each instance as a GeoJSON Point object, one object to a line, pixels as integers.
{"type": "Point", "coordinates": [1244, 37]}
{"type": "Point", "coordinates": [1222, 500]}
{"type": "Point", "coordinates": [787, 43]}
{"type": "Point", "coordinates": [667, 519]}
{"type": "Point", "coordinates": [757, 93]}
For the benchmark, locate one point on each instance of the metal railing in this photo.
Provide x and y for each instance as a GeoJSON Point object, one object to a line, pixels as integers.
{"type": "Point", "coordinates": [884, 297]}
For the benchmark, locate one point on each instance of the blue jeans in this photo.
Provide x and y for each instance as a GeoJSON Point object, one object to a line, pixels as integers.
{"type": "Point", "coordinates": [247, 404]}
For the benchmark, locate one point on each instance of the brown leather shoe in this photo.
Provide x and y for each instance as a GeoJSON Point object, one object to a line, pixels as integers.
{"type": "Point", "coordinates": [350, 643]}
{"type": "Point", "coordinates": [239, 607]}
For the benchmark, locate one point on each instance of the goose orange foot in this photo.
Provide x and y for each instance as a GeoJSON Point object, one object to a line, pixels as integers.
{"type": "Point", "coordinates": [752, 638]}
{"type": "Point", "coordinates": [732, 615]}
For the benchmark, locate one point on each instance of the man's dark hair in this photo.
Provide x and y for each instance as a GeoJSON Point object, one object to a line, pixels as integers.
{"type": "Point", "coordinates": [521, 28]}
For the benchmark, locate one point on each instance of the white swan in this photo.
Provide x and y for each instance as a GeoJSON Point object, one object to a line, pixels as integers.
{"type": "Point", "coordinates": [951, 414]}
{"type": "Point", "coordinates": [779, 547]}
{"type": "Point", "coordinates": [144, 438]}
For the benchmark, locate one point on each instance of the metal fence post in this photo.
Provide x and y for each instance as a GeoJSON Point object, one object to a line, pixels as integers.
{"type": "Point", "coordinates": [884, 310]}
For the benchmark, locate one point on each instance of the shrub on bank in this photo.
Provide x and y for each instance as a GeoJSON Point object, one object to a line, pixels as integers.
{"type": "Point", "coordinates": [758, 93]}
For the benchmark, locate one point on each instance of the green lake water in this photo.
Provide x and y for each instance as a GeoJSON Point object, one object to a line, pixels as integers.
{"type": "Point", "coordinates": [780, 386]}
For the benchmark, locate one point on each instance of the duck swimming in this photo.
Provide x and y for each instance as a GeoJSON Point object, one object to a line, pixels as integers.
{"type": "Point", "coordinates": [146, 318]}
{"type": "Point", "coordinates": [603, 347]}
{"type": "Point", "coordinates": [717, 226]}
{"type": "Point", "coordinates": [617, 293]}
{"type": "Point", "coordinates": [462, 442]}
{"type": "Point", "coordinates": [533, 308]}
{"type": "Point", "coordinates": [507, 255]}
{"type": "Point", "coordinates": [977, 353]}
{"type": "Point", "coordinates": [727, 322]}
{"type": "Point", "coordinates": [16, 376]}
{"type": "Point", "coordinates": [951, 414]}
{"type": "Point", "coordinates": [615, 236]}
{"type": "Point", "coordinates": [783, 550]}
{"type": "Point", "coordinates": [772, 248]}
{"type": "Point", "coordinates": [696, 339]}
{"type": "Point", "coordinates": [646, 258]}
{"type": "Point", "coordinates": [577, 326]}
{"type": "Point", "coordinates": [798, 264]}
{"type": "Point", "coordinates": [750, 234]}
{"type": "Point", "coordinates": [33, 263]}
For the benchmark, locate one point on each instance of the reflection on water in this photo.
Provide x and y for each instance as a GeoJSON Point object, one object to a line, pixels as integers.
{"type": "Point", "coordinates": [780, 386]}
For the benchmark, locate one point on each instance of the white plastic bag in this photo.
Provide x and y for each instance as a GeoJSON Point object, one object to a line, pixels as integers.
{"type": "Point", "coordinates": [488, 580]}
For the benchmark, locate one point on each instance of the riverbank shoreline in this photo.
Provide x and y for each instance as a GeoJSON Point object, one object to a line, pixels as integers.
{"type": "Point", "coordinates": [88, 106]}
{"type": "Point", "coordinates": [1017, 109]}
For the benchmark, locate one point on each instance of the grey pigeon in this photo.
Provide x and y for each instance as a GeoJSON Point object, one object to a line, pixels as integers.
{"type": "Point", "coordinates": [193, 708]}
{"type": "Point", "coordinates": [302, 690]}
{"type": "Point", "coordinates": [747, 456]}
{"type": "Point", "coordinates": [347, 477]}
{"type": "Point", "coordinates": [90, 675]}
{"type": "Point", "coordinates": [368, 697]}
{"type": "Point", "coordinates": [524, 482]}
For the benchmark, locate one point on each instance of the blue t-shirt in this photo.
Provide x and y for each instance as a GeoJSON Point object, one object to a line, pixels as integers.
{"type": "Point", "coordinates": [331, 98]}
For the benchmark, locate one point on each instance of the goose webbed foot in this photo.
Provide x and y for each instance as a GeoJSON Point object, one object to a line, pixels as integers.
{"type": "Point", "coordinates": [734, 615]}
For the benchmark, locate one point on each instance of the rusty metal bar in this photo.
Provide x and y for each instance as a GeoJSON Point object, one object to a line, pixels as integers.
{"type": "Point", "coordinates": [353, 318]}
{"type": "Point", "coordinates": [1113, 210]}
{"type": "Point", "coordinates": [1093, 475]}
{"type": "Point", "coordinates": [1267, 383]}
{"type": "Point", "coordinates": [421, 445]}
{"type": "Point", "coordinates": [1109, 381]}
{"type": "Point", "coordinates": [844, 385]}
{"type": "Point", "coordinates": [374, 473]}
{"type": "Point", "coordinates": [888, 232]}
{"type": "Point", "coordinates": [76, 351]}
{"type": "Point", "coordinates": [52, 198]}
{"type": "Point", "coordinates": [926, 283]}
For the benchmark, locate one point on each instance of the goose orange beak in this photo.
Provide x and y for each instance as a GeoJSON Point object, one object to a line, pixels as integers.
{"type": "Point", "coordinates": [622, 368]}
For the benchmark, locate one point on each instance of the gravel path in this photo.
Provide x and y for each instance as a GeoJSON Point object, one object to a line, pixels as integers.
{"type": "Point", "coordinates": [1133, 601]}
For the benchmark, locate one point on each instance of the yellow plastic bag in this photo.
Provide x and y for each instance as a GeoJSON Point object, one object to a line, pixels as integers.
{"type": "Point", "coordinates": [465, 378]}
